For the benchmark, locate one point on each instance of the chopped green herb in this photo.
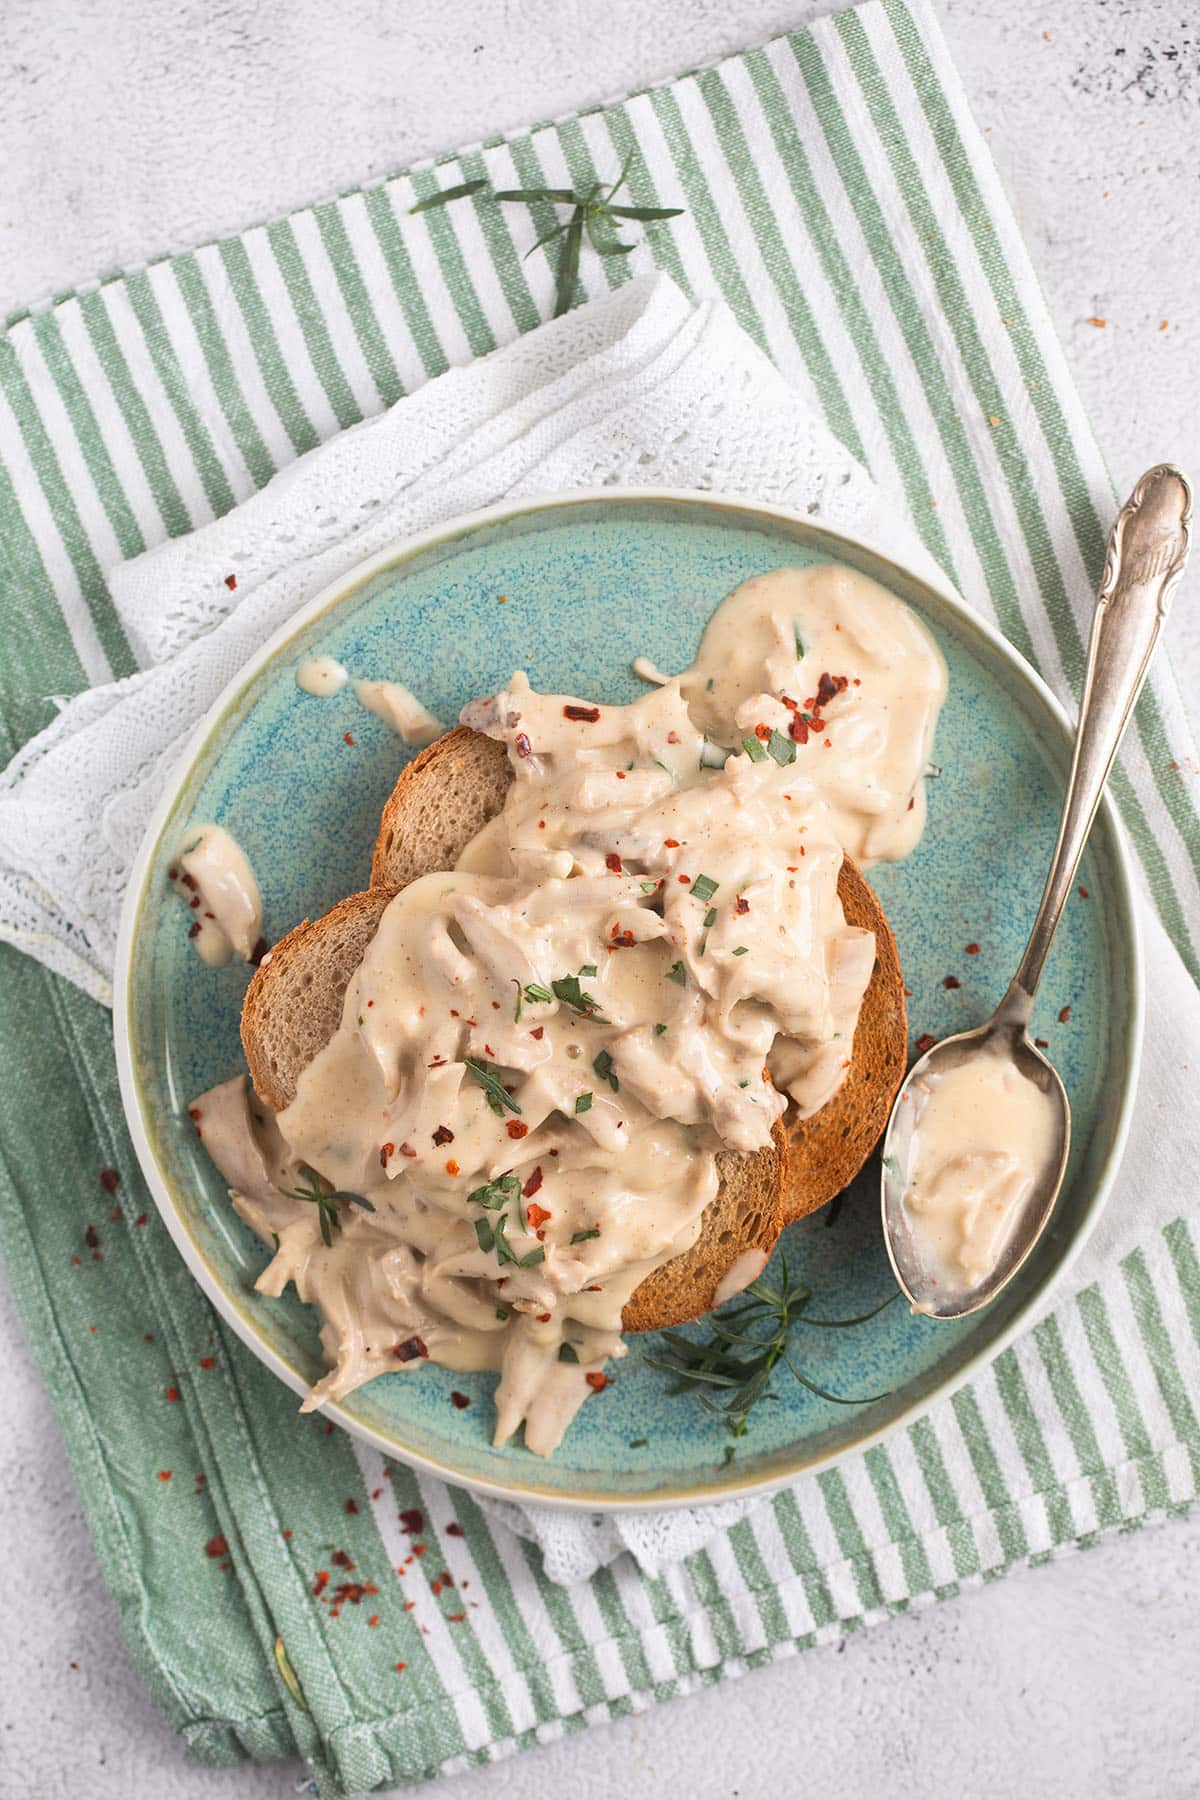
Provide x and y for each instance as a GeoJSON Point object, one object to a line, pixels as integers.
{"type": "Point", "coordinates": [583, 1103]}
{"type": "Point", "coordinates": [360, 1018]}
{"type": "Point", "coordinates": [326, 1202]}
{"type": "Point", "coordinates": [534, 1257]}
{"type": "Point", "coordinates": [568, 1353]}
{"type": "Point", "coordinates": [755, 750]}
{"type": "Point", "coordinates": [890, 1164]}
{"type": "Point", "coordinates": [581, 1237]}
{"type": "Point", "coordinates": [799, 642]}
{"type": "Point", "coordinates": [678, 974]}
{"type": "Point", "coordinates": [781, 748]}
{"type": "Point", "coordinates": [710, 917]}
{"type": "Point", "coordinates": [649, 887]}
{"type": "Point", "coordinates": [517, 1012]}
{"type": "Point", "coordinates": [568, 990]}
{"type": "Point", "coordinates": [502, 1315]}
{"type": "Point", "coordinates": [745, 1083]}
{"type": "Point", "coordinates": [494, 1196]}
{"type": "Point", "coordinates": [704, 887]}
{"type": "Point", "coordinates": [538, 996]}
{"type": "Point", "coordinates": [742, 950]}
{"type": "Point", "coordinates": [498, 1096]}
{"type": "Point", "coordinates": [603, 1065]}
{"type": "Point", "coordinates": [659, 1029]}
{"type": "Point", "coordinates": [503, 1248]}
{"type": "Point", "coordinates": [638, 1443]}
{"type": "Point", "coordinates": [484, 1234]}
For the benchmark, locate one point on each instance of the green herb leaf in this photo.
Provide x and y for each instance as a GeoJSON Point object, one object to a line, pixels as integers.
{"type": "Point", "coordinates": [517, 1012]}
{"type": "Point", "coordinates": [781, 748]}
{"type": "Point", "coordinates": [500, 1240]}
{"type": "Point", "coordinates": [498, 1097]}
{"type": "Point", "coordinates": [568, 268]}
{"type": "Point", "coordinates": [603, 1065]}
{"type": "Point", "coordinates": [588, 969]}
{"type": "Point", "coordinates": [556, 196]}
{"type": "Point", "coordinates": [678, 974]}
{"type": "Point", "coordinates": [638, 1443]}
{"type": "Point", "coordinates": [649, 887]}
{"type": "Point", "coordinates": [451, 193]}
{"type": "Point", "coordinates": [582, 1237]}
{"type": "Point", "coordinates": [568, 1353]}
{"type": "Point", "coordinates": [742, 950]}
{"type": "Point", "coordinates": [710, 917]}
{"type": "Point", "coordinates": [583, 1103]}
{"type": "Point", "coordinates": [535, 1256]}
{"type": "Point", "coordinates": [484, 1234]}
{"type": "Point", "coordinates": [502, 1315]}
{"type": "Point", "coordinates": [745, 1083]}
{"type": "Point", "coordinates": [538, 996]}
{"type": "Point", "coordinates": [799, 643]}
{"type": "Point", "coordinates": [602, 241]}
{"type": "Point", "coordinates": [704, 887]}
{"type": "Point", "coordinates": [494, 1196]}
{"type": "Point", "coordinates": [568, 990]}
{"type": "Point", "coordinates": [646, 213]}
{"type": "Point", "coordinates": [659, 1029]}
{"type": "Point", "coordinates": [755, 749]}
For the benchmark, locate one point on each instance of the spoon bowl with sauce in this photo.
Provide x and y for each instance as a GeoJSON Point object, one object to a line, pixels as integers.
{"type": "Point", "coordinates": [976, 1148]}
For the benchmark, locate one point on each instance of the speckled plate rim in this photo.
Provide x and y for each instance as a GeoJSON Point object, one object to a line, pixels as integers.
{"type": "Point", "coordinates": [137, 897]}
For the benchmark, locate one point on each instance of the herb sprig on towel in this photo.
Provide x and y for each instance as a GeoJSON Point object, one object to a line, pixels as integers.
{"type": "Point", "coordinates": [595, 215]}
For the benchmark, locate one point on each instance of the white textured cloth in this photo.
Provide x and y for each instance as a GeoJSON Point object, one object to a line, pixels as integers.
{"type": "Point", "coordinates": [639, 389]}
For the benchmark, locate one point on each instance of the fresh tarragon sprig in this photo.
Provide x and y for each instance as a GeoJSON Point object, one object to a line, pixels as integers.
{"type": "Point", "coordinates": [328, 1202]}
{"type": "Point", "coordinates": [594, 215]}
{"type": "Point", "coordinates": [744, 1346]}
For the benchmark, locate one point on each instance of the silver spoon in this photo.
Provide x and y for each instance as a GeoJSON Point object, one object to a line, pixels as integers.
{"type": "Point", "coordinates": [1146, 555]}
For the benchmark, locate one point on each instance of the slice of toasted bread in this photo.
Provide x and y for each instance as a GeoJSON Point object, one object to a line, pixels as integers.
{"type": "Point", "coordinates": [294, 1005]}
{"type": "Point", "coordinates": [459, 783]}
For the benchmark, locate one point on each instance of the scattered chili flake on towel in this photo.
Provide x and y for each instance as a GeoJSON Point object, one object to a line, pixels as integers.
{"type": "Point", "coordinates": [216, 1546]}
{"type": "Point", "coordinates": [352, 1506]}
{"type": "Point", "coordinates": [412, 1520]}
{"type": "Point", "coordinates": [109, 1180]}
{"type": "Point", "coordinates": [454, 1529]}
{"type": "Point", "coordinates": [1064, 1017]}
{"type": "Point", "coordinates": [231, 583]}
{"type": "Point", "coordinates": [972, 949]}
{"type": "Point", "coordinates": [925, 1042]}
{"type": "Point", "coordinates": [951, 981]}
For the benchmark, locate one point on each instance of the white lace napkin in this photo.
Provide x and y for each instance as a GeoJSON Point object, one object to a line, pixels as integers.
{"type": "Point", "coordinates": [640, 389]}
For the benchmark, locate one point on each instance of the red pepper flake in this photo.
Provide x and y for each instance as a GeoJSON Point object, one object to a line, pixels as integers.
{"type": "Point", "coordinates": [613, 862]}
{"type": "Point", "coordinates": [538, 1032]}
{"type": "Point", "coordinates": [189, 881]}
{"type": "Point", "coordinates": [762, 732]}
{"type": "Point", "coordinates": [385, 1150]}
{"type": "Point", "coordinates": [829, 686]}
{"type": "Point", "coordinates": [352, 1506]}
{"type": "Point", "coordinates": [109, 1180]}
{"type": "Point", "coordinates": [454, 1529]}
{"type": "Point", "coordinates": [406, 1149]}
{"type": "Point", "coordinates": [208, 1362]}
{"type": "Point", "coordinates": [420, 1549]}
{"type": "Point", "coordinates": [141, 1219]}
{"type": "Point", "coordinates": [517, 1128]}
{"type": "Point", "coordinates": [462, 1401]}
{"type": "Point", "coordinates": [329, 1428]}
{"type": "Point", "coordinates": [686, 879]}
{"type": "Point", "coordinates": [972, 949]}
{"type": "Point", "coordinates": [952, 981]}
{"type": "Point", "coordinates": [544, 1318]}
{"type": "Point", "coordinates": [287, 1535]}
{"type": "Point", "coordinates": [400, 1668]}
{"type": "Point", "coordinates": [596, 1380]}
{"type": "Point", "coordinates": [216, 1546]}
{"type": "Point", "coordinates": [91, 1238]}
{"type": "Point", "coordinates": [194, 929]}
{"type": "Point", "coordinates": [620, 774]}
{"type": "Point", "coordinates": [741, 905]}
{"type": "Point", "coordinates": [347, 739]}
{"type": "Point", "coordinates": [911, 803]}
{"type": "Point", "coordinates": [408, 1351]}
{"type": "Point", "coordinates": [231, 583]}
{"type": "Point", "coordinates": [537, 1215]}
{"type": "Point", "coordinates": [531, 1187]}
{"type": "Point", "coordinates": [443, 1135]}
{"type": "Point", "coordinates": [374, 1619]}
{"type": "Point", "coordinates": [1042, 1043]}
{"type": "Point", "coordinates": [1064, 1017]}
{"type": "Point", "coordinates": [412, 1520]}
{"type": "Point", "coordinates": [523, 745]}
{"type": "Point", "coordinates": [1083, 894]}
{"type": "Point", "coordinates": [456, 1618]}
{"type": "Point", "coordinates": [798, 728]}
{"type": "Point", "coordinates": [584, 715]}
{"type": "Point", "coordinates": [452, 1167]}
{"type": "Point", "coordinates": [671, 843]}
{"type": "Point", "coordinates": [164, 1474]}
{"type": "Point", "coordinates": [78, 1261]}
{"type": "Point", "coordinates": [925, 1042]}
{"type": "Point", "coordinates": [172, 1393]}
{"type": "Point", "coordinates": [114, 1216]}
{"type": "Point", "coordinates": [321, 1583]}
{"type": "Point", "coordinates": [342, 1559]}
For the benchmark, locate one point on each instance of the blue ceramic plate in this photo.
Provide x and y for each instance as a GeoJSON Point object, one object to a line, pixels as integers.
{"type": "Point", "coordinates": [588, 582]}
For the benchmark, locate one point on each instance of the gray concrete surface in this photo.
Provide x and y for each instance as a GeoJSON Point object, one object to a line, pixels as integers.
{"type": "Point", "coordinates": [127, 129]}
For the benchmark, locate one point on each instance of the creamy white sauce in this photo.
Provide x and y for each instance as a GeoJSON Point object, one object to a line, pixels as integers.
{"type": "Point", "coordinates": [978, 1144]}
{"type": "Point", "coordinates": [321, 676]}
{"type": "Point", "coordinates": [645, 670]}
{"type": "Point", "coordinates": [740, 1273]}
{"type": "Point", "coordinates": [684, 900]}
{"type": "Point", "coordinates": [213, 877]}
{"type": "Point", "coordinates": [392, 701]}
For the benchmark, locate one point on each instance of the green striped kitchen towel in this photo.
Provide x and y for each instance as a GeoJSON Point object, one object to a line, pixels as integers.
{"type": "Point", "coordinates": [838, 196]}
